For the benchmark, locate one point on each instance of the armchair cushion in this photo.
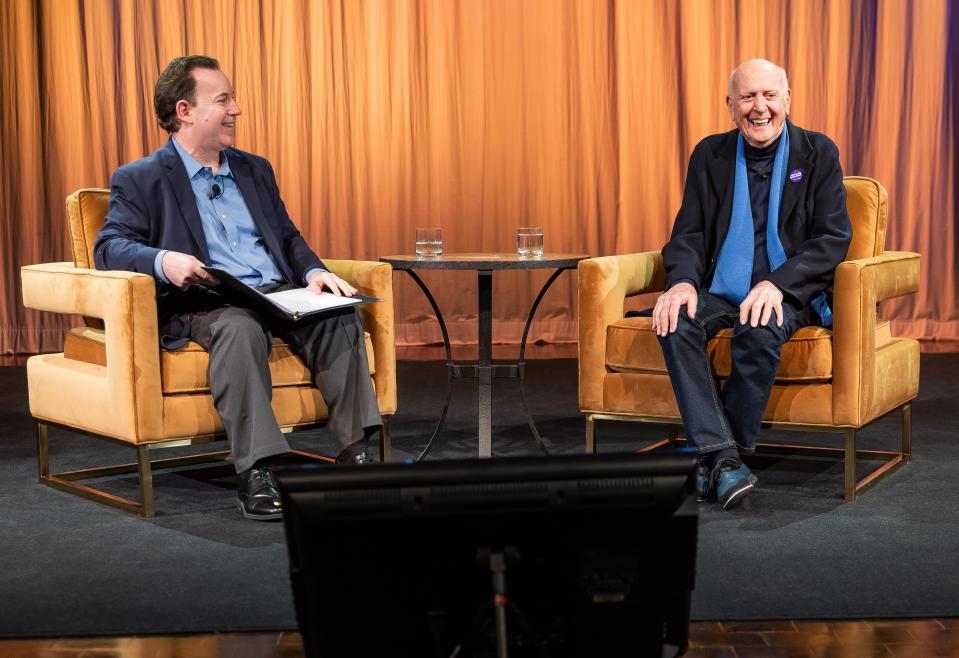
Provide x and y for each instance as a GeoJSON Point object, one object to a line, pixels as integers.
{"type": "Point", "coordinates": [184, 370]}
{"type": "Point", "coordinates": [806, 356]}
{"type": "Point", "coordinates": [632, 347]}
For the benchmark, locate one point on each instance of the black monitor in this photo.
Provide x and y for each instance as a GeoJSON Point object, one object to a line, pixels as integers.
{"type": "Point", "coordinates": [596, 555]}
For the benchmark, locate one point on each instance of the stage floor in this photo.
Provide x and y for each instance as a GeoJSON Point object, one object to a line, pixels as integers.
{"type": "Point", "coordinates": [793, 551]}
{"type": "Point", "coordinates": [919, 638]}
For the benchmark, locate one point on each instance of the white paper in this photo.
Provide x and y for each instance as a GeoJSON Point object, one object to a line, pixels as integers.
{"type": "Point", "coordinates": [304, 300]}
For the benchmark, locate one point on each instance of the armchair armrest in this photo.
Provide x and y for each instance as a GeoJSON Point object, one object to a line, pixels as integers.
{"type": "Point", "coordinates": [376, 280]}
{"type": "Point", "coordinates": [604, 284]}
{"type": "Point", "coordinates": [129, 385]}
{"type": "Point", "coordinates": [860, 284]}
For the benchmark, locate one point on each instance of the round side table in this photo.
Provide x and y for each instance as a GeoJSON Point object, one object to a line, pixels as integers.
{"type": "Point", "coordinates": [484, 370]}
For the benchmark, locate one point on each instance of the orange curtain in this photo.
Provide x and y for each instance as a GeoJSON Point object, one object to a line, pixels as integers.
{"type": "Point", "coordinates": [478, 116]}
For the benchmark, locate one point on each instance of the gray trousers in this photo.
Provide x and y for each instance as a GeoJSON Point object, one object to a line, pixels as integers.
{"type": "Point", "coordinates": [239, 340]}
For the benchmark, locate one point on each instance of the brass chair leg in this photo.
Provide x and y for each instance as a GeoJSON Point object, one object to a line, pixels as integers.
{"type": "Point", "coordinates": [852, 489]}
{"type": "Point", "coordinates": [590, 434]}
{"type": "Point", "coordinates": [43, 452]}
{"type": "Point", "coordinates": [72, 481]}
{"type": "Point", "coordinates": [906, 437]}
{"type": "Point", "coordinates": [145, 472]}
{"type": "Point", "coordinates": [386, 445]}
{"type": "Point", "coordinates": [66, 481]}
{"type": "Point", "coordinates": [849, 461]}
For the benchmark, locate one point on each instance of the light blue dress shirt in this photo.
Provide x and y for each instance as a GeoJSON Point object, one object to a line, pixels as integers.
{"type": "Point", "coordinates": [234, 242]}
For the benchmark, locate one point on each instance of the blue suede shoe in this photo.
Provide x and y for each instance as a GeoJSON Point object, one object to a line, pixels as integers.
{"type": "Point", "coordinates": [731, 481]}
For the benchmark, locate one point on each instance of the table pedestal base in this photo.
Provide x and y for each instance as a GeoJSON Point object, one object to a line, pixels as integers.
{"type": "Point", "coordinates": [484, 371]}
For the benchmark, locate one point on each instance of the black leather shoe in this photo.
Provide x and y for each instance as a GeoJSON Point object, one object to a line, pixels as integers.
{"type": "Point", "coordinates": [257, 496]}
{"type": "Point", "coordinates": [362, 457]}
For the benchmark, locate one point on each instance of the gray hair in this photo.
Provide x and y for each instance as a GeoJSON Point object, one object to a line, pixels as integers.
{"type": "Point", "coordinates": [755, 62]}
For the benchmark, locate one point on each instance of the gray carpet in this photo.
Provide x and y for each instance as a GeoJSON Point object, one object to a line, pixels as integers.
{"type": "Point", "coordinates": [794, 550]}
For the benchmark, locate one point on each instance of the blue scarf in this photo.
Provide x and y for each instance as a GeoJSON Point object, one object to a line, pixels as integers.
{"type": "Point", "coordinates": [734, 270]}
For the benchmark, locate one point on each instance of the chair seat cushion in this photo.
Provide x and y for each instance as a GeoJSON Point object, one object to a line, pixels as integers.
{"type": "Point", "coordinates": [184, 370]}
{"type": "Point", "coordinates": [632, 346]}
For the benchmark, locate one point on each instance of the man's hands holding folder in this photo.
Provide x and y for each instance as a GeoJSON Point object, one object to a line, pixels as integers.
{"type": "Point", "coordinates": [183, 269]}
{"type": "Point", "coordinates": [290, 303]}
{"type": "Point", "coordinates": [329, 281]}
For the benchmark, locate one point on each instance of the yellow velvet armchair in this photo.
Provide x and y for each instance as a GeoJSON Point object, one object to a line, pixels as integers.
{"type": "Point", "coordinates": [837, 380]}
{"type": "Point", "coordinates": [113, 381]}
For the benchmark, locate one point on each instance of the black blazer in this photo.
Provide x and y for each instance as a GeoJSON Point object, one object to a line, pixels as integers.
{"type": "Point", "coordinates": [153, 207]}
{"type": "Point", "coordinates": [814, 227]}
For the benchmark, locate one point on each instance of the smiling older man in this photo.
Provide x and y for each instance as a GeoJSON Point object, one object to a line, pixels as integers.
{"type": "Point", "coordinates": [762, 227]}
{"type": "Point", "coordinates": [199, 201]}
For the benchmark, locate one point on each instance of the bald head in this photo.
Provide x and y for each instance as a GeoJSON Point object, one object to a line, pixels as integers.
{"type": "Point", "coordinates": [756, 66]}
{"type": "Point", "coordinates": [759, 101]}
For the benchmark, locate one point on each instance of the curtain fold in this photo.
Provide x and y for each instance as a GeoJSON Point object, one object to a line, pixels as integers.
{"type": "Point", "coordinates": [478, 116]}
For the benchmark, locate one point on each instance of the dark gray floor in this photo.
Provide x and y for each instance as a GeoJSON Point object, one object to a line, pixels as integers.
{"type": "Point", "coordinates": [794, 550]}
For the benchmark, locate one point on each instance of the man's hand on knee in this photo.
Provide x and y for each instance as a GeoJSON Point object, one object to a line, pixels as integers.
{"type": "Point", "coordinates": [760, 303]}
{"type": "Point", "coordinates": [666, 311]}
{"type": "Point", "coordinates": [183, 269]}
{"type": "Point", "coordinates": [321, 281]}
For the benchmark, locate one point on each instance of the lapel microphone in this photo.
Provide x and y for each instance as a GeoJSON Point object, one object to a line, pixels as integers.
{"type": "Point", "coordinates": [215, 192]}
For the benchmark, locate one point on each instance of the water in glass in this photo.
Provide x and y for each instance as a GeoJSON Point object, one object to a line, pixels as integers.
{"type": "Point", "coordinates": [429, 242]}
{"type": "Point", "coordinates": [529, 241]}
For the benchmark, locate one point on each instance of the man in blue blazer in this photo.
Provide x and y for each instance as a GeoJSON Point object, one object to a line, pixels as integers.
{"type": "Point", "coordinates": [762, 227]}
{"type": "Point", "coordinates": [199, 201]}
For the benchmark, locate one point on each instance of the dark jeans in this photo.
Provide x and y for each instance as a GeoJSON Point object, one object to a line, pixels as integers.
{"type": "Point", "coordinates": [731, 419]}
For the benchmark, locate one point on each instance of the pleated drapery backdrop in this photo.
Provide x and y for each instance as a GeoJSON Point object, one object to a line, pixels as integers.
{"type": "Point", "coordinates": [479, 116]}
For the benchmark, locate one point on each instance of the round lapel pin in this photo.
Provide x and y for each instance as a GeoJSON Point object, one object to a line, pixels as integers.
{"type": "Point", "coordinates": [795, 175]}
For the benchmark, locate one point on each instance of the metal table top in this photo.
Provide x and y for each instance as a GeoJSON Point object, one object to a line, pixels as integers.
{"type": "Point", "coordinates": [483, 261]}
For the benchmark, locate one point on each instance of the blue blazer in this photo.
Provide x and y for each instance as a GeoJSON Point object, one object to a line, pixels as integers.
{"type": "Point", "coordinates": [153, 207]}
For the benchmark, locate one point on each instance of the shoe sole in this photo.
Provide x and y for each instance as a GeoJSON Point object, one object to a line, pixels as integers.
{"type": "Point", "coordinates": [258, 517]}
{"type": "Point", "coordinates": [734, 497]}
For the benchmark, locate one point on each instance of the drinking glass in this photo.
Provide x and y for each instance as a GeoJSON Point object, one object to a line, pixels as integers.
{"type": "Point", "coordinates": [529, 241]}
{"type": "Point", "coordinates": [429, 242]}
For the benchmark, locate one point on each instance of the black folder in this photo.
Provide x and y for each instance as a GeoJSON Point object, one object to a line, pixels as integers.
{"type": "Point", "coordinates": [240, 294]}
